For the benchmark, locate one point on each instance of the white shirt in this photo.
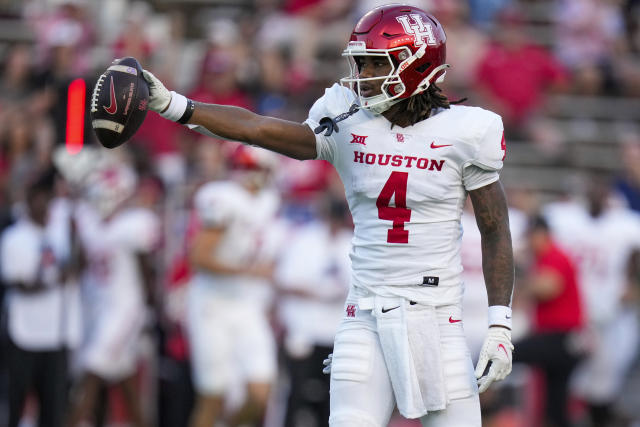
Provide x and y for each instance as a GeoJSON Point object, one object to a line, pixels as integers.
{"type": "Point", "coordinates": [317, 262]}
{"type": "Point", "coordinates": [48, 319]}
{"type": "Point", "coordinates": [406, 188]}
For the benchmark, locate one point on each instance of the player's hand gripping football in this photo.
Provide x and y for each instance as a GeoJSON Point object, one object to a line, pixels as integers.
{"type": "Point", "coordinates": [159, 96]}
{"type": "Point", "coordinates": [496, 349]}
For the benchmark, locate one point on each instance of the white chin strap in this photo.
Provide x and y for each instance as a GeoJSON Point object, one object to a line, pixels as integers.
{"type": "Point", "coordinates": [378, 104]}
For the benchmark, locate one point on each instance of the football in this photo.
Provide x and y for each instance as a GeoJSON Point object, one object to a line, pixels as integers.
{"type": "Point", "coordinates": [119, 102]}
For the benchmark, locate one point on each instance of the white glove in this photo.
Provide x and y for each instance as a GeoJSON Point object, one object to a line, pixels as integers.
{"type": "Point", "coordinates": [496, 349]}
{"type": "Point", "coordinates": [327, 364]}
{"type": "Point", "coordinates": [159, 96]}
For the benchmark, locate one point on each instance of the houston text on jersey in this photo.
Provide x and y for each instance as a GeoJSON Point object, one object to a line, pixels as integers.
{"type": "Point", "coordinates": [397, 160]}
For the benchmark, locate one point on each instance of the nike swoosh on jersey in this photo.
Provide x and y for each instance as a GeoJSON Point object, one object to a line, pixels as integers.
{"type": "Point", "coordinates": [384, 310]}
{"type": "Point", "coordinates": [440, 146]}
{"type": "Point", "coordinates": [452, 320]}
{"type": "Point", "coordinates": [113, 106]}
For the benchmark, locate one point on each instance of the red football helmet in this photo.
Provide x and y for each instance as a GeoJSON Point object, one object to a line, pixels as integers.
{"type": "Point", "coordinates": [250, 158]}
{"type": "Point", "coordinates": [412, 40]}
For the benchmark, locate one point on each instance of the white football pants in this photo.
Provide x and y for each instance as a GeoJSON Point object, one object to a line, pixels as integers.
{"type": "Point", "coordinates": [361, 390]}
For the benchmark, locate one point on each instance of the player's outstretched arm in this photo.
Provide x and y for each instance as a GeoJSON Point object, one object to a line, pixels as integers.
{"type": "Point", "coordinates": [492, 217]}
{"type": "Point", "coordinates": [292, 139]}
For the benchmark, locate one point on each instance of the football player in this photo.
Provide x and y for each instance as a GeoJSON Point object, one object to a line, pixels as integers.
{"type": "Point", "coordinates": [229, 296]}
{"type": "Point", "coordinates": [600, 237]}
{"type": "Point", "coordinates": [118, 239]}
{"type": "Point", "coordinates": [408, 159]}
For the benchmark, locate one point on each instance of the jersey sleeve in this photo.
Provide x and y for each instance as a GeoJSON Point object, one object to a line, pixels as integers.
{"type": "Point", "coordinates": [475, 177]}
{"type": "Point", "coordinates": [489, 153]}
{"type": "Point", "coordinates": [336, 100]}
{"type": "Point", "coordinates": [215, 205]}
{"type": "Point", "coordinates": [491, 148]}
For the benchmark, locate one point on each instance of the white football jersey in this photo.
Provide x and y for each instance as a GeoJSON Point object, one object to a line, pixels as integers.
{"type": "Point", "coordinates": [113, 275]}
{"type": "Point", "coordinates": [406, 188]}
{"type": "Point", "coordinates": [601, 248]}
{"type": "Point", "coordinates": [245, 218]}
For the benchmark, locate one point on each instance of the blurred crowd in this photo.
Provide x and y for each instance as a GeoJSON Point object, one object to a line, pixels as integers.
{"type": "Point", "coordinates": [101, 251]}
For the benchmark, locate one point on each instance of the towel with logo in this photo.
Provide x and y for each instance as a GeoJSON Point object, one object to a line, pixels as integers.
{"type": "Point", "coordinates": [410, 341]}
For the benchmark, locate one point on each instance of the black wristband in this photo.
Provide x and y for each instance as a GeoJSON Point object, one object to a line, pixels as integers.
{"type": "Point", "coordinates": [188, 112]}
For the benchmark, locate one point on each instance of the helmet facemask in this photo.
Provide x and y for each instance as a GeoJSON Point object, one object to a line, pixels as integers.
{"type": "Point", "coordinates": [393, 89]}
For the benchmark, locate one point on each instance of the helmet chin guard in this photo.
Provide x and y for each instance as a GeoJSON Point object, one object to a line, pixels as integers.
{"type": "Point", "coordinates": [413, 42]}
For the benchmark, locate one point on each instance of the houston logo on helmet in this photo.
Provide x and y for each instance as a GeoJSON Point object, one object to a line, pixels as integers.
{"type": "Point", "coordinates": [418, 29]}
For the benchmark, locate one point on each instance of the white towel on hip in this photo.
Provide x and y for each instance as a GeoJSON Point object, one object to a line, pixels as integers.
{"type": "Point", "coordinates": [410, 340]}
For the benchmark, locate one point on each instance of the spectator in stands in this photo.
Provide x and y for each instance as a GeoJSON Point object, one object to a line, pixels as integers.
{"type": "Point", "coordinates": [515, 74]}
{"type": "Point", "coordinates": [219, 76]}
{"type": "Point", "coordinates": [553, 347]}
{"type": "Point", "coordinates": [627, 183]}
{"type": "Point", "coordinates": [589, 34]}
{"type": "Point", "coordinates": [155, 136]}
{"type": "Point", "coordinates": [313, 278]}
{"type": "Point", "coordinates": [466, 44]}
{"type": "Point", "coordinates": [485, 12]}
{"type": "Point", "coordinates": [302, 28]}
{"type": "Point", "coordinates": [22, 154]}
{"type": "Point", "coordinates": [133, 39]}
{"type": "Point", "coordinates": [64, 39]}
{"type": "Point", "coordinates": [36, 264]}
{"type": "Point", "coordinates": [55, 24]}
{"type": "Point", "coordinates": [16, 85]}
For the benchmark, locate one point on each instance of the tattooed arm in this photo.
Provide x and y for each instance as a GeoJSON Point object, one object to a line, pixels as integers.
{"type": "Point", "coordinates": [492, 217]}
{"type": "Point", "coordinates": [490, 206]}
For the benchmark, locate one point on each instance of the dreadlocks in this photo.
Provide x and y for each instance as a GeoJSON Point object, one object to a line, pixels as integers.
{"type": "Point", "coordinates": [419, 107]}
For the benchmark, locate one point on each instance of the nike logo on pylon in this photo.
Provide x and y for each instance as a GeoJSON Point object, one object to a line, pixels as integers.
{"type": "Point", "coordinates": [113, 107]}
{"type": "Point", "coordinates": [384, 310]}
{"type": "Point", "coordinates": [440, 146]}
{"type": "Point", "coordinates": [503, 349]}
{"type": "Point", "coordinates": [452, 320]}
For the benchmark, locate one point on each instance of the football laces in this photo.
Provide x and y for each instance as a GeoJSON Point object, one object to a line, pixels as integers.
{"type": "Point", "coordinates": [96, 92]}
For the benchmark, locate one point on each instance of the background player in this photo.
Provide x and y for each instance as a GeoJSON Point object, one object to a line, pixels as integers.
{"type": "Point", "coordinates": [600, 237]}
{"type": "Point", "coordinates": [407, 164]}
{"type": "Point", "coordinates": [117, 237]}
{"type": "Point", "coordinates": [229, 296]}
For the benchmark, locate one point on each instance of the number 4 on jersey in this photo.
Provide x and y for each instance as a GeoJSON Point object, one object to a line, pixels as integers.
{"type": "Point", "coordinates": [399, 214]}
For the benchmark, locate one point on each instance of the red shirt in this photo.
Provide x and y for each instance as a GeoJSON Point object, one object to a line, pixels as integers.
{"type": "Point", "coordinates": [564, 312]}
{"type": "Point", "coordinates": [519, 77]}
